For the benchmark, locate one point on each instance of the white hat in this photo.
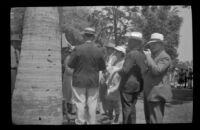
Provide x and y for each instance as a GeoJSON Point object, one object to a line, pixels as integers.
{"type": "Point", "coordinates": [89, 31]}
{"type": "Point", "coordinates": [156, 37]}
{"type": "Point", "coordinates": [134, 35]}
{"type": "Point", "coordinates": [121, 48]}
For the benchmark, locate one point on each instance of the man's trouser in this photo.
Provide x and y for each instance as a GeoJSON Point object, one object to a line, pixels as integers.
{"type": "Point", "coordinates": [114, 105]}
{"type": "Point", "coordinates": [79, 98]}
{"type": "Point", "coordinates": [128, 102]}
{"type": "Point", "coordinates": [13, 78]}
{"type": "Point", "coordinates": [102, 96]}
{"type": "Point", "coordinates": [154, 111]}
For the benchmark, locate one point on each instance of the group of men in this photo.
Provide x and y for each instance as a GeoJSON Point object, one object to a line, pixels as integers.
{"type": "Point", "coordinates": [115, 76]}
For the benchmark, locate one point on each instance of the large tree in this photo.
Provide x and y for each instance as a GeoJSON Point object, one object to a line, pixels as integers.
{"type": "Point", "coordinates": [37, 97]}
{"type": "Point", "coordinates": [109, 23]}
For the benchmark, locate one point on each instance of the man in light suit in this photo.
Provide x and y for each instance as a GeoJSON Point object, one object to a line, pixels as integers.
{"type": "Point", "coordinates": [157, 89]}
{"type": "Point", "coordinates": [86, 60]}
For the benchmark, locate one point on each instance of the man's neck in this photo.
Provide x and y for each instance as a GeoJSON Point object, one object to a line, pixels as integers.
{"type": "Point", "coordinates": [135, 48]}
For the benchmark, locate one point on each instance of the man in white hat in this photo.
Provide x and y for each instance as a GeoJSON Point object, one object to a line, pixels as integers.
{"type": "Point", "coordinates": [157, 89]}
{"type": "Point", "coordinates": [131, 77]}
{"type": "Point", "coordinates": [86, 60]}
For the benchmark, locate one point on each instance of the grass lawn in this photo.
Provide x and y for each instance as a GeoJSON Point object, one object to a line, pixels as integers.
{"type": "Point", "coordinates": [180, 110]}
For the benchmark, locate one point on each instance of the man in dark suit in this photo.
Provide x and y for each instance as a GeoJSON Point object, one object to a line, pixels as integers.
{"type": "Point", "coordinates": [157, 90]}
{"type": "Point", "coordinates": [86, 60]}
{"type": "Point", "coordinates": [131, 74]}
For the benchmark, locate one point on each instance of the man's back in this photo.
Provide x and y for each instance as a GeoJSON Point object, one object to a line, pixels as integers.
{"type": "Point", "coordinates": [132, 72]}
{"type": "Point", "coordinates": [87, 60]}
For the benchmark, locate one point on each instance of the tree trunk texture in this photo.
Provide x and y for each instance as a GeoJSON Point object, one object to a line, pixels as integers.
{"type": "Point", "coordinates": [37, 97]}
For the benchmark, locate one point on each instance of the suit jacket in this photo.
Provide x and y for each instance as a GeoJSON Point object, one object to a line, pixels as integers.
{"type": "Point", "coordinates": [156, 82]}
{"type": "Point", "coordinates": [86, 60]}
{"type": "Point", "coordinates": [132, 72]}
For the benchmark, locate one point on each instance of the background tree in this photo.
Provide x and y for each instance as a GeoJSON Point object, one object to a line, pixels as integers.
{"type": "Point", "coordinates": [16, 20]}
{"type": "Point", "coordinates": [73, 20]}
{"type": "Point", "coordinates": [165, 20]}
{"type": "Point", "coordinates": [110, 21]}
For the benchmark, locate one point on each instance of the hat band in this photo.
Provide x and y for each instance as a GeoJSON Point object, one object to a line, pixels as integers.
{"type": "Point", "coordinates": [154, 40]}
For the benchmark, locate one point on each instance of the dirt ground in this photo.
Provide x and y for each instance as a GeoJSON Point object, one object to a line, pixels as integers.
{"type": "Point", "coordinates": [180, 110]}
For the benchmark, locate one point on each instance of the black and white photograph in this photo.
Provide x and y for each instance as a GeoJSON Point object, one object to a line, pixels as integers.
{"type": "Point", "coordinates": [101, 65]}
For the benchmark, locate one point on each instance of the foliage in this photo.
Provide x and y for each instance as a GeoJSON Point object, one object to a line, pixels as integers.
{"type": "Point", "coordinates": [165, 20]}
{"type": "Point", "coordinates": [16, 20]}
{"type": "Point", "coordinates": [112, 22]}
{"type": "Point", "coordinates": [147, 19]}
{"type": "Point", "coordinates": [73, 20]}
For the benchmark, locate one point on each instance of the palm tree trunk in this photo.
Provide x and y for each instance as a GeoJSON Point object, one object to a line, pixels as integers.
{"type": "Point", "coordinates": [37, 98]}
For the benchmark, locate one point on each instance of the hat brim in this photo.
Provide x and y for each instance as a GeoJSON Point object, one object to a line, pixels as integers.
{"type": "Point", "coordinates": [154, 41]}
{"type": "Point", "coordinates": [83, 33]}
{"type": "Point", "coordinates": [119, 51]}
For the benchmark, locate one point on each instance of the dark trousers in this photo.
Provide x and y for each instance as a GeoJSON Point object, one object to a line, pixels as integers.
{"type": "Point", "coordinates": [102, 97]}
{"type": "Point", "coordinates": [154, 111]}
{"type": "Point", "coordinates": [128, 102]}
{"type": "Point", "coordinates": [114, 106]}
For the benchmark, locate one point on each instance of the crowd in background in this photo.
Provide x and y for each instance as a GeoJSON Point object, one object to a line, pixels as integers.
{"type": "Point", "coordinates": [182, 78]}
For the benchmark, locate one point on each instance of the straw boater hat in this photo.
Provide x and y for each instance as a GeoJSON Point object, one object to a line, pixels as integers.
{"type": "Point", "coordinates": [135, 35]}
{"type": "Point", "coordinates": [89, 31]}
{"type": "Point", "coordinates": [121, 48]}
{"type": "Point", "coordinates": [110, 45]}
{"type": "Point", "coordinates": [156, 37]}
